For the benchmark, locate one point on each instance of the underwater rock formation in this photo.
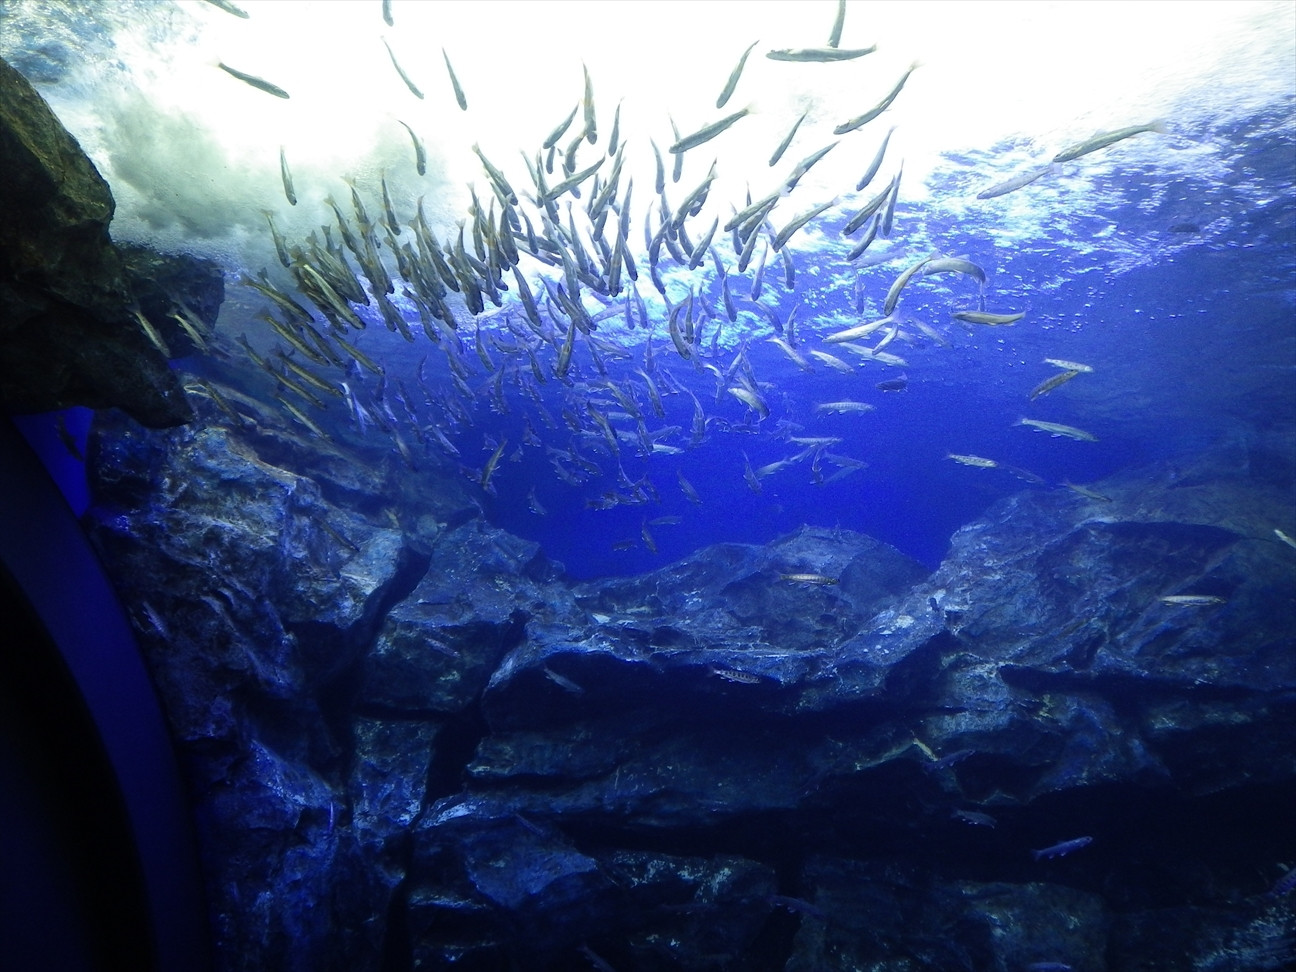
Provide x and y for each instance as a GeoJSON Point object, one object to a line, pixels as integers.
{"type": "Point", "coordinates": [414, 744]}
{"type": "Point", "coordinates": [66, 333]}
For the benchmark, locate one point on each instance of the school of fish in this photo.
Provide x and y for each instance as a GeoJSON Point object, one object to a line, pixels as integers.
{"type": "Point", "coordinates": [509, 304]}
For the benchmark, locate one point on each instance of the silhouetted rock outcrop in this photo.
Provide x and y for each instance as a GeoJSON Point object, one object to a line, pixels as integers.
{"type": "Point", "coordinates": [66, 332]}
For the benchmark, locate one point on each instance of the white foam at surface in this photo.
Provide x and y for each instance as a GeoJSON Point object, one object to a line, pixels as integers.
{"type": "Point", "coordinates": [192, 154]}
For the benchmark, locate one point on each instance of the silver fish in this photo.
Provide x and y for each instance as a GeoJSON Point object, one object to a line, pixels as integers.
{"type": "Point", "coordinates": [286, 176]}
{"type": "Point", "coordinates": [454, 81]}
{"type": "Point", "coordinates": [819, 53]}
{"type": "Point", "coordinates": [733, 77]}
{"type": "Point", "coordinates": [420, 154]}
{"type": "Point", "coordinates": [860, 120]}
{"type": "Point", "coordinates": [707, 132]}
{"type": "Point", "coordinates": [252, 79]}
{"type": "Point", "coordinates": [1103, 139]}
{"type": "Point", "coordinates": [401, 71]}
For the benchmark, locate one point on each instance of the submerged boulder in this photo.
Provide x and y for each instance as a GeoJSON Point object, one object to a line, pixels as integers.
{"type": "Point", "coordinates": [1064, 743]}
{"type": "Point", "coordinates": [255, 601]}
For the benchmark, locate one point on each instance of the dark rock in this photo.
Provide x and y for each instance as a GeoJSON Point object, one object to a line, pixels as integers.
{"type": "Point", "coordinates": [414, 722]}
{"type": "Point", "coordinates": [387, 788]}
{"type": "Point", "coordinates": [866, 913]}
{"type": "Point", "coordinates": [483, 871]}
{"type": "Point", "coordinates": [55, 212]}
{"type": "Point", "coordinates": [721, 624]}
{"type": "Point", "coordinates": [439, 646]}
{"type": "Point", "coordinates": [1260, 937]}
{"type": "Point", "coordinates": [66, 335]}
{"type": "Point", "coordinates": [254, 601]}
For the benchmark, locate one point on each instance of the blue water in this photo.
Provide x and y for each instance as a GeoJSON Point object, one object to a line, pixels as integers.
{"type": "Point", "coordinates": [1192, 351]}
{"type": "Point", "coordinates": [1164, 262]}
{"type": "Point", "coordinates": [1156, 337]}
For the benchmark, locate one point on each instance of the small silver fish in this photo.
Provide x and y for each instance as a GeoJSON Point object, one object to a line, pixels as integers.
{"type": "Point", "coordinates": [252, 79]}
{"type": "Point", "coordinates": [1062, 849]}
{"type": "Point", "coordinates": [287, 178]}
{"type": "Point", "coordinates": [454, 81]}
{"type": "Point", "coordinates": [401, 71]}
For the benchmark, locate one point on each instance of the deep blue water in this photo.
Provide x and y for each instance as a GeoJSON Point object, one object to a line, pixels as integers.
{"type": "Point", "coordinates": [1165, 263]}
{"type": "Point", "coordinates": [1192, 351]}
{"type": "Point", "coordinates": [1189, 354]}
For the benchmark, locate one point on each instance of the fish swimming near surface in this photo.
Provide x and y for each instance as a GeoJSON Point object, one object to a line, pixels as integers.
{"type": "Point", "coordinates": [805, 165]}
{"type": "Point", "coordinates": [888, 214]}
{"type": "Point", "coordinates": [797, 221]}
{"type": "Point", "coordinates": [869, 208]}
{"type": "Point", "coordinates": [1191, 600]}
{"type": "Point", "coordinates": [259, 83]}
{"type": "Point", "coordinates": [454, 82]}
{"type": "Point", "coordinates": [707, 132]}
{"type": "Point", "coordinates": [1104, 139]}
{"type": "Point", "coordinates": [893, 295]}
{"type": "Point", "coordinates": [954, 265]}
{"type": "Point", "coordinates": [497, 178]}
{"type": "Point", "coordinates": [858, 331]}
{"type": "Point", "coordinates": [615, 137]}
{"type": "Point", "coordinates": [787, 139]}
{"type": "Point", "coordinates": [587, 104]}
{"type": "Point", "coordinates": [401, 71]}
{"type": "Point", "coordinates": [733, 77]}
{"type": "Point", "coordinates": [420, 154]}
{"type": "Point", "coordinates": [388, 210]}
{"type": "Point", "coordinates": [819, 53]}
{"type": "Point", "coordinates": [286, 176]}
{"type": "Point", "coordinates": [561, 130]}
{"type": "Point", "coordinates": [876, 163]}
{"type": "Point", "coordinates": [861, 120]}
{"type": "Point", "coordinates": [834, 36]}
{"type": "Point", "coordinates": [230, 8]}
{"type": "Point", "coordinates": [1062, 849]}
{"type": "Point", "coordinates": [1012, 184]}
